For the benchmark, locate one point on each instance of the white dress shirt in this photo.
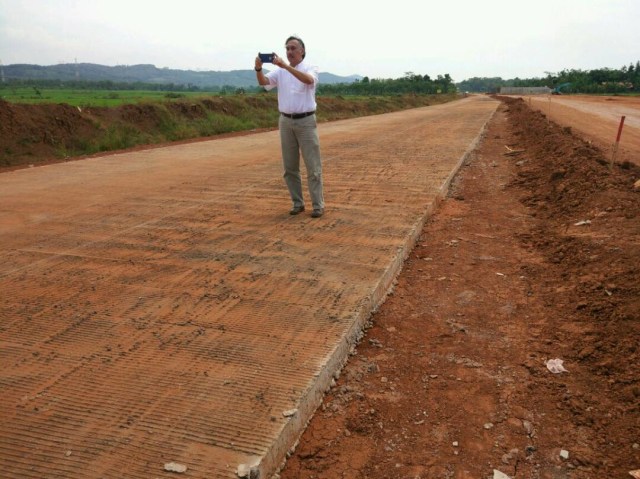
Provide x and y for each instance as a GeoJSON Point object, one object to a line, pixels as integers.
{"type": "Point", "coordinates": [293, 95]}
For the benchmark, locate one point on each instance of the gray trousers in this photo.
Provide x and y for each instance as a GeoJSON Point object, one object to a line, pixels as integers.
{"type": "Point", "coordinates": [297, 136]}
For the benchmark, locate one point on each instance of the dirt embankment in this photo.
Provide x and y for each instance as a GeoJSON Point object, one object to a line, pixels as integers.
{"type": "Point", "coordinates": [38, 134]}
{"type": "Point", "coordinates": [534, 256]}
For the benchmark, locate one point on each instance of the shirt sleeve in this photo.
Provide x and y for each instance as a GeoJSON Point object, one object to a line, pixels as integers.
{"type": "Point", "coordinates": [272, 76]}
{"type": "Point", "coordinates": [313, 71]}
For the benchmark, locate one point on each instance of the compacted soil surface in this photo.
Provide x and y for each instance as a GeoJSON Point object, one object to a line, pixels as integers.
{"type": "Point", "coordinates": [534, 256]}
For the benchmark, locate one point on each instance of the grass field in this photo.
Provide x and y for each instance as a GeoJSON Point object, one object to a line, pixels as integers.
{"type": "Point", "coordinates": [84, 98]}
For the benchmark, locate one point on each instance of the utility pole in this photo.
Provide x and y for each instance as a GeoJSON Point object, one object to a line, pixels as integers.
{"type": "Point", "coordinates": [77, 71]}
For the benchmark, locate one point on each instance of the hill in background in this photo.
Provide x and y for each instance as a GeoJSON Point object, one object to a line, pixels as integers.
{"type": "Point", "coordinates": [145, 74]}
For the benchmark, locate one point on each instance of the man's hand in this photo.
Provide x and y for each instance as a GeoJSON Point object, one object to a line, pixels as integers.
{"type": "Point", "coordinates": [279, 62]}
{"type": "Point", "coordinates": [303, 77]}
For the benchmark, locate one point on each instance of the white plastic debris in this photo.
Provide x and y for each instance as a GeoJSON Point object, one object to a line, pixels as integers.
{"type": "Point", "coordinates": [564, 454]}
{"type": "Point", "coordinates": [175, 467]}
{"type": "Point", "coordinates": [289, 413]}
{"type": "Point", "coordinates": [243, 470]}
{"type": "Point", "coordinates": [499, 475]}
{"type": "Point", "coordinates": [252, 471]}
{"type": "Point", "coordinates": [582, 223]}
{"type": "Point", "coordinates": [555, 366]}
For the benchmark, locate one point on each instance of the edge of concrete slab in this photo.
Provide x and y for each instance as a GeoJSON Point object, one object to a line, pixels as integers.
{"type": "Point", "coordinates": [284, 445]}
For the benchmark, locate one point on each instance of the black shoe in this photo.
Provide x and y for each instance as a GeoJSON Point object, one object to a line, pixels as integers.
{"type": "Point", "coordinates": [317, 213]}
{"type": "Point", "coordinates": [296, 210]}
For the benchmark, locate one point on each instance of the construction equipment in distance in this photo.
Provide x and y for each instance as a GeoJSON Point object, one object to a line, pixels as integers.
{"type": "Point", "coordinates": [558, 90]}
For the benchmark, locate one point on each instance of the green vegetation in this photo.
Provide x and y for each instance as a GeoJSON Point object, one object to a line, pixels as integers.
{"type": "Point", "coordinates": [85, 97]}
{"type": "Point", "coordinates": [108, 93]}
{"type": "Point", "coordinates": [159, 122]}
{"type": "Point", "coordinates": [625, 80]}
{"type": "Point", "coordinates": [411, 83]}
{"type": "Point", "coordinates": [61, 84]}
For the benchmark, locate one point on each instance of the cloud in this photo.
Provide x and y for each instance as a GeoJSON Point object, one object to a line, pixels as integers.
{"type": "Point", "coordinates": [464, 39]}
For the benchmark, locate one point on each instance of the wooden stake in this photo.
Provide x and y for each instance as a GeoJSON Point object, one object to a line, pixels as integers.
{"type": "Point", "coordinates": [615, 147]}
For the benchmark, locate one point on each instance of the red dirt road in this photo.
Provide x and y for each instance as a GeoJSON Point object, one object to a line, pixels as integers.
{"type": "Point", "coordinates": [597, 119]}
{"type": "Point", "coordinates": [161, 306]}
{"type": "Point", "coordinates": [145, 326]}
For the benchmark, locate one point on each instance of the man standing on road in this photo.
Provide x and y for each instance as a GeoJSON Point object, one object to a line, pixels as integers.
{"type": "Point", "coordinates": [296, 83]}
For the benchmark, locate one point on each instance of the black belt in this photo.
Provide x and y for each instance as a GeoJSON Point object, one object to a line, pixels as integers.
{"type": "Point", "coordinates": [297, 116]}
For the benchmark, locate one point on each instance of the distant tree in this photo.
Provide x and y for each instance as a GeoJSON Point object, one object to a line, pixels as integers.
{"type": "Point", "coordinates": [481, 84]}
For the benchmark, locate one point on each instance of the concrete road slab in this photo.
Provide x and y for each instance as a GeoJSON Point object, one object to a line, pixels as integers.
{"type": "Point", "coordinates": [162, 306]}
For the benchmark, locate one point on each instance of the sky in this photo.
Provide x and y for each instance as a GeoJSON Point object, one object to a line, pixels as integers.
{"type": "Point", "coordinates": [383, 39]}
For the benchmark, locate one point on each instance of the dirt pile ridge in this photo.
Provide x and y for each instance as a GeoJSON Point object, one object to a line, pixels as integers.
{"type": "Point", "coordinates": [534, 256]}
{"type": "Point", "coordinates": [39, 134]}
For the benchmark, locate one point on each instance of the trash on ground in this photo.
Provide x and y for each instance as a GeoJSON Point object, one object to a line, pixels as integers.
{"type": "Point", "coordinates": [564, 454]}
{"type": "Point", "coordinates": [555, 366]}
{"type": "Point", "coordinates": [499, 475]}
{"type": "Point", "coordinates": [582, 223]}
{"type": "Point", "coordinates": [289, 413]}
{"type": "Point", "coordinates": [244, 470]}
{"type": "Point", "coordinates": [175, 467]}
{"type": "Point", "coordinates": [512, 152]}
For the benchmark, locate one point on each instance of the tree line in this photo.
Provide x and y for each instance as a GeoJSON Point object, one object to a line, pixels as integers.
{"type": "Point", "coordinates": [599, 81]}
{"type": "Point", "coordinates": [410, 83]}
{"type": "Point", "coordinates": [115, 85]}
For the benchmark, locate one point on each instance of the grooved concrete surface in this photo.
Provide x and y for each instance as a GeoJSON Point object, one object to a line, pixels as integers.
{"type": "Point", "coordinates": [162, 306]}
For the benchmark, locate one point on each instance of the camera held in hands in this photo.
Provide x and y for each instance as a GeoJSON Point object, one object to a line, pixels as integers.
{"type": "Point", "coordinates": [266, 57]}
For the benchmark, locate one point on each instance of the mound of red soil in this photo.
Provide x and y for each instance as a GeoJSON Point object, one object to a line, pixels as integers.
{"type": "Point", "coordinates": [32, 133]}
{"type": "Point", "coordinates": [534, 256]}
{"type": "Point", "coordinates": [39, 134]}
